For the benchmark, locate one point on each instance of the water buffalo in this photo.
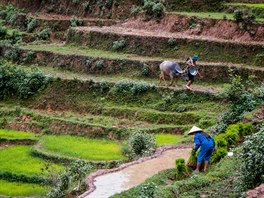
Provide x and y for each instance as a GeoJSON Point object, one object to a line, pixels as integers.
{"type": "Point", "coordinates": [171, 69]}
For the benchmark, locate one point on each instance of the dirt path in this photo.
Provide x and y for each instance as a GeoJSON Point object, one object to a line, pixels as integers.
{"type": "Point", "coordinates": [151, 33]}
{"type": "Point", "coordinates": [105, 184]}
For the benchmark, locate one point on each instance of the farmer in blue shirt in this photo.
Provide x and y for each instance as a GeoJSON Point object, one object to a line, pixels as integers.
{"type": "Point", "coordinates": [206, 144]}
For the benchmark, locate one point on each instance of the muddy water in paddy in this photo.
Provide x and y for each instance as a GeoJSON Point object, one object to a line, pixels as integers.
{"type": "Point", "coordinates": [109, 184]}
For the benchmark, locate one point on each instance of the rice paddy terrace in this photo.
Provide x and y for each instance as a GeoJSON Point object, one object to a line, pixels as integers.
{"type": "Point", "coordinates": [101, 69]}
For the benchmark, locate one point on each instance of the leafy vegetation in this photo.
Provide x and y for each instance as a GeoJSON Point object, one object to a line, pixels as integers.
{"type": "Point", "coordinates": [75, 172]}
{"type": "Point", "coordinates": [17, 82]}
{"type": "Point", "coordinates": [252, 157]}
{"type": "Point", "coordinates": [139, 144]}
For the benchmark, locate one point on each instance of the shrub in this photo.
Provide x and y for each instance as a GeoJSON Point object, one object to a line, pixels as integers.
{"type": "Point", "coordinates": [242, 98]}
{"type": "Point", "coordinates": [75, 1]}
{"type": "Point", "coordinates": [75, 172]}
{"type": "Point", "coordinates": [259, 59]}
{"type": "Point", "coordinates": [172, 42]}
{"type": "Point", "coordinates": [15, 37]}
{"type": "Point", "coordinates": [152, 9]}
{"type": "Point", "coordinates": [17, 82]}
{"type": "Point", "coordinates": [108, 4]}
{"type": "Point", "coordinates": [142, 143]}
{"type": "Point", "coordinates": [12, 54]}
{"type": "Point", "coordinates": [29, 57]}
{"type": "Point", "coordinates": [220, 141]}
{"type": "Point", "coordinates": [99, 64]}
{"type": "Point", "coordinates": [245, 129]}
{"type": "Point", "coordinates": [44, 34]}
{"type": "Point", "coordinates": [218, 154]}
{"type": "Point", "coordinates": [76, 22]}
{"type": "Point", "coordinates": [125, 86]}
{"type": "Point", "coordinates": [86, 6]}
{"type": "Point", "coordinates": [119, 45]}
{"type": "Point", "coordinates": [134, 10]}
{"type": "Point", "coordinates": [181, 169]}
{"type": "Point", "coordinates": [147, 190]}
{"type": "Point", "coordinates": [31, 25]}
{"type": "Point", "coordinates": [252, 156]}
{"type": "Point", "coordinates": [3, 32]}
{"type": "Point", "coordinates": [145, 70]}
{"type": "Point", "coordinates": [238, 15]}
{"type": "Point", "coordinates": [158, 10]}
{"type": "Point", "coordinates": [231, 136]}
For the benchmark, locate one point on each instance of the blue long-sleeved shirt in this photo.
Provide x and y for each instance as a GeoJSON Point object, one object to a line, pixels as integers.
{"type": "Point", "coordinates": [203, 142]}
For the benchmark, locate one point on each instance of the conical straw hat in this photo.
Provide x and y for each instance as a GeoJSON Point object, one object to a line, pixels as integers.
{"type": "Point", "coordinates": [194, 129]}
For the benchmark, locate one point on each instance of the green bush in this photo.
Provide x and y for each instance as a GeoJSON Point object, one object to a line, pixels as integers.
{"type": "Point", "coordinates": [125, 87]}
{"type": "Point", "coordinates": [218, 154]}
{"type": "Point", "coordinates": [181, 169]}
{"type": "Point", "coordinates": [12, 54]}
{"type": "Point", "coordinates": [245, 129]}
{"type": "Point", "coordinates": [15, 37]}
{"type": "Point", "coordinates": [119, 45]}
{"type": "Point", "coordinates": [242, 98]}
{"type": "Point", "coordinates": [76, 22]}
{"type": "Point", "coordinates": [153, 9]}
{"type": "Point", "coordinates": [44, 34]}
{"type": "Point", "coordinates": [220, 141]}
{"type": "Point", "coordinates": [29, 57]}
{"type": "Point", "coordinates": [259, 59]}
{"type": "Point", "coordinates": [238, 15]}
{"type": "Point", "coordinates": [99, 64]}
{"type": "Point", "coordinates": [135, 10]}
{"type": "Point", "coordinates": [147, 190]}
{"type": "Point", "coordinates": [142, 143]}
{"type": "Point", "coordinates": [252, 156]}
{"type": "Point", "coordinates": [172, 42]}
{"type": "Point", "coordinates": [31, 25]}
{"type": "Point", "coordinates": [145, 70]}
{"type": "Point", "coordinates": [3, 32]}
{"type": "Point", "coordinates": [75, 1]}
{"type": "Point", "coordinates": [19, 83]}
{"type": "Point", "coordinates": [86, 6]}
{"type": "Point", "coordinates": [231, 136]}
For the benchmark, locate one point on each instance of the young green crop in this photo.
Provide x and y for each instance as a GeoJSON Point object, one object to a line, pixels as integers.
{"type": "Point", "coordinates": [11, 134]}
{"type": "Point", "coordinates": [14, 189]}
{"type": "Point", "coordinates": [16, 159]}
{"type": "Point", "coordinates": [84, 148]}
{"type": "Point", "coordinates": [166, 139]}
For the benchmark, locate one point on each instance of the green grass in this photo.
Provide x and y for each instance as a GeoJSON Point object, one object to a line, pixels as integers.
{"type": "Point", "coordinates": [168, 139]}
{"type": "Point", "coordinates": [254, 5]}
{"type": "Point", "coordinates": [212, 15]}
{"type": "Point", "coordinates": [17, 160]}
{"type": "Point", "coordinates": [21, 189]}
{"type": "Point", "coordinates": [84, 148]}
{"type": "Point", "coordinates": [85, 51]}
{"type": "Point", "coordinates": [11, 134]}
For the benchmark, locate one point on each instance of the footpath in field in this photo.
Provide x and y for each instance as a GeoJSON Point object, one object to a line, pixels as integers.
{"type": "Point", "coordinates": [106, 183]}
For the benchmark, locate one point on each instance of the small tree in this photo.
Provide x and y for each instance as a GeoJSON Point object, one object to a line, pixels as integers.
{"type": "Point", "coordinates": [142, 143]}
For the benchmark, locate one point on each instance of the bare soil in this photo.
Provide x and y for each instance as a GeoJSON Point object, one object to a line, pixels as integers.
{"type": "Point", "coordinates": [208, 28]}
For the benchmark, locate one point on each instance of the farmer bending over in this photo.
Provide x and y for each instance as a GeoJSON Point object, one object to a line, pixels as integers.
{"type": "Point", "coordinates": [191, 70]}
{"type": "Point", "coordinates": [206, 144]}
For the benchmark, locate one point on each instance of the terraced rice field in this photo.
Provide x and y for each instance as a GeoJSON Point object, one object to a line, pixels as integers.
{"type": "Point", "coordinates": [103, 85]}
